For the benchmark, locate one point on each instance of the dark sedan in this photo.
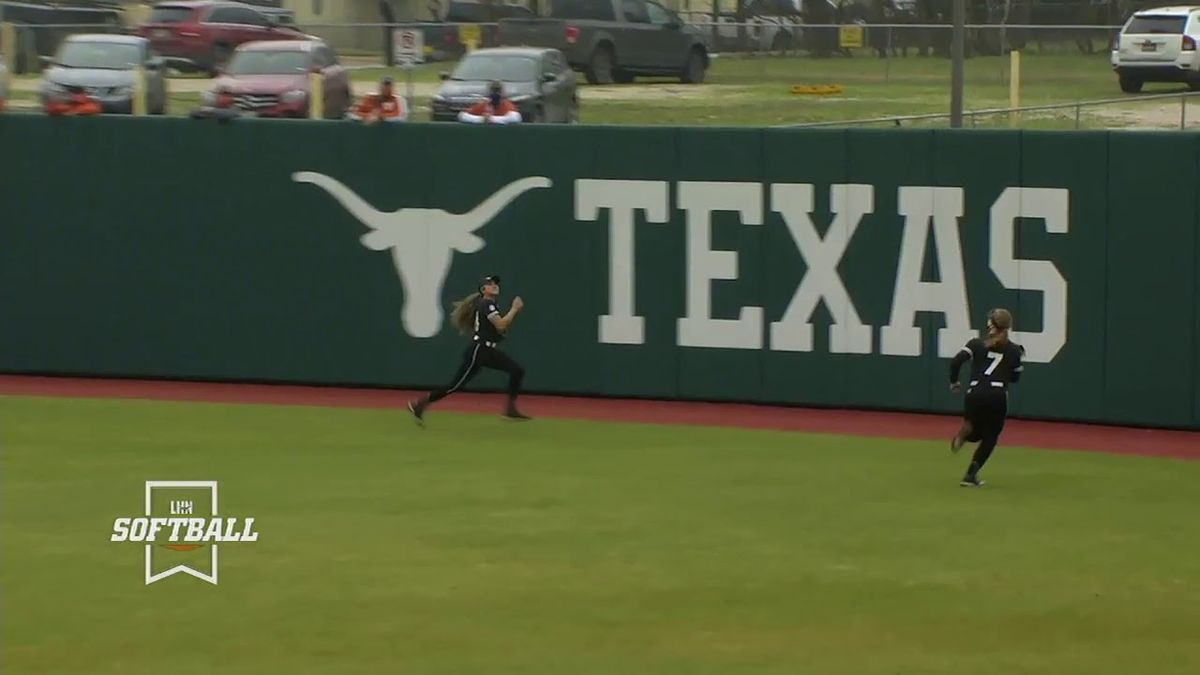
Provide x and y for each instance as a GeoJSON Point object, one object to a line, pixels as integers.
{"type": "Point", "coordinates": [538, 81]}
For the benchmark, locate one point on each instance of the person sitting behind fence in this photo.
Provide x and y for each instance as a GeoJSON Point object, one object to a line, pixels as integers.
{"type": "Point", "coordinates": [221, 107]}
{"type": "Point", "coordinates": [76, 102]}
{"type": "Point", "coordinates": [495, 109]}
{"type": "Point", "coordinates": [382, 106]}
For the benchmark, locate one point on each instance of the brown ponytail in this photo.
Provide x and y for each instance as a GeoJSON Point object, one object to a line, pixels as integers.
{"type": "Point", "coordinates": [1002, 319]}
{"type": "Point", "coordinates": [463, 314]}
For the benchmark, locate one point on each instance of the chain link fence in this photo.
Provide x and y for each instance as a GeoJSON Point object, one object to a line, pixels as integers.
{"type": "Point", "coordinates": [881, 69]}
{"type": "Point", "coordinates": [449, 41]}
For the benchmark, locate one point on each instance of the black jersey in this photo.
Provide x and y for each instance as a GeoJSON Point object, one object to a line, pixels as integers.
{"type": "Point", "coordinates": [485, 330]}
{"type": "Point", "coordinates": [995, 368]}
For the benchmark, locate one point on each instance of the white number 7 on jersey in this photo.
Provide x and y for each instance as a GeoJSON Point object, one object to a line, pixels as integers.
{"type": "Point", "coordinates": [996, 358]}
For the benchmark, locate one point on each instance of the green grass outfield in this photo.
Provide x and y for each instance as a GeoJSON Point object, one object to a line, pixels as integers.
{"type": "Point", "coordinates": [756, 91]}
{"type": "Point", "coordinates": [554, 547]}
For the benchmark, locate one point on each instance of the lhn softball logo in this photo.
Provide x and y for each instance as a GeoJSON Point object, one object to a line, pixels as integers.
{"type": "Point", "coordinates": [184, 537]}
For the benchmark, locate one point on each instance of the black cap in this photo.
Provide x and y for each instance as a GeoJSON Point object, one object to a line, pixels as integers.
{"type": "Point", "coordinates": [386, 80]}
{"type": "Point", "coordinates": [493, 279]}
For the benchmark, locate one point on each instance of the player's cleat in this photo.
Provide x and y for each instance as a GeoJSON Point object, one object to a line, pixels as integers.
{"type": "Point", "coordinates": [513, 414]}
{"type": "Point", "coordinates": [971, 481]}
{"type": "Point", "coordinates": [418, 412]}
{"type": "Point", "coordinates": [960, 438]}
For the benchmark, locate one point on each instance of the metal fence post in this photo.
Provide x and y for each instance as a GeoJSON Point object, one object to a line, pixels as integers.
{"type": "Point", "coordinates": [1183, 111]}
{"type": "Point", "coordinates": [957, 44]}
{"type": "Point", "coordinates": [887, 57]}
{"type": "Point", "coordinates": [316, 95]}
{"type": "Point", "coordinates": [138, 102]}
{"type": "Point", "coordinates": [1077, 110]}
{"type": "Point", "coordinates": [8, 46]}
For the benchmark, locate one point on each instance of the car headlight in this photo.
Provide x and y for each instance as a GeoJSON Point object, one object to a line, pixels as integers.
{"type": "Point", "coordinates": [294, 96]}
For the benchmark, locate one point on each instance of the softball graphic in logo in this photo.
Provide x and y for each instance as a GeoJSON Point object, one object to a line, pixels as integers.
{"type": "Point", "coordinates": [181, 529]}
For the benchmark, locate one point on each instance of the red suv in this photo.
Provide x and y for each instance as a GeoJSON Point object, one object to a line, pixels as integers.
{"type": "Point", "coordinates": [272, 79]}
{"type": "Point", "coordinates": [205, 34]}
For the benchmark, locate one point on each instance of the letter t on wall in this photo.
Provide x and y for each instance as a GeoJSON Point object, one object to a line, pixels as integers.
{"type": "Point", "coordinates": [621, 198]}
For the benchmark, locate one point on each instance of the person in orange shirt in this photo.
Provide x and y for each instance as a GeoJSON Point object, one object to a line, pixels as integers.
{"type": "Point", "coordinates": [384, 106]}
{"type": "Point", "coordinates": [495, 109]}
{"type": "Point", "coordinates": [75, 103]}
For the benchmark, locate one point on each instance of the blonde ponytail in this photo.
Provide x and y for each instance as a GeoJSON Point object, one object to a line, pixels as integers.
{"type": "Point", "coordinates": [463, 314]}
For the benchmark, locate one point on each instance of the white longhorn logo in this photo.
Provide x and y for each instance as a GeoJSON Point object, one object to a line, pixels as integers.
{"type": "Point", "coordinates": [422, 241]}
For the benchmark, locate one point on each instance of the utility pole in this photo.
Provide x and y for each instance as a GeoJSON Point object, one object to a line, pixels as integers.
{"type": "Point", "coordinates": [957, 40]}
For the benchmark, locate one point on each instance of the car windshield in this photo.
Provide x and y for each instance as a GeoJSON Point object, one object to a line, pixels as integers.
{"type": "Point", "coordinates": [493, 67]}
{"type": "Point", "coordinates": [1143, 25]}
{"type": "Point", "coordinates": [258, 62]}
{"type": "Point", "coordinates": [107, 55]}
{"type": "Point", "coordinates": [170, 14]}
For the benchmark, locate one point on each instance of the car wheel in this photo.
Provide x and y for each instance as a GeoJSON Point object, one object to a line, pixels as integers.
{"type": "Point", "coordinates": [693, 72]}
{"type": "Point", "coordinates": [1130, 85]}
{"type": "Point", "coordinates": [220, 56]}
{"type": "Point", "coordinates": [623, 77]}
{"type": "Point", "coordinates": [600, 66]}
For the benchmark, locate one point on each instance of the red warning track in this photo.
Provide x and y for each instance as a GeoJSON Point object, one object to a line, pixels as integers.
{"type": "Point", "coordinates": [1056, 435]}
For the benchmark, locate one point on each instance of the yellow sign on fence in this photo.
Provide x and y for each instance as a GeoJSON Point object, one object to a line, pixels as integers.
{"type": "Point", "coordinates": [817, 89]}
{"type": "Point", "coordinates": [469, 35]}
{"type": "Point", "coordinates": [850, 36]}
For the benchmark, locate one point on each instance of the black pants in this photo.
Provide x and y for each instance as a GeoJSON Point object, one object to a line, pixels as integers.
{"type": "Point", "coordinates": [479, 355]}
{"type": "Point", "coordinates": [985, 408]}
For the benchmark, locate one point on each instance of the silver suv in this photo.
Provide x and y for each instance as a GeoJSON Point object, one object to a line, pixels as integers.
{"type": "Point", "coordinates": [1158, 45]}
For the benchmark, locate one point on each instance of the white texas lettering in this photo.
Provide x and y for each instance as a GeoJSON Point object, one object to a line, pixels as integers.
{"type": "Point", "coordinates": [1051, 205]}
{"type": "Point", "coordinates": [920, 206]}
{"type": "Point", "coordinates": [704, 265]}
{"type": "Point", "coordinates": [622, 198]}
{"type": "Point", "coordinates": [794, 332]}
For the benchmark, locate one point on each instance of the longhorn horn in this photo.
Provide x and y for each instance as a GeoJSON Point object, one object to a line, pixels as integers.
{"type": "Point", "coordinates": [346, 197]}
{"type": "Point", "coordinates": [480, 215]}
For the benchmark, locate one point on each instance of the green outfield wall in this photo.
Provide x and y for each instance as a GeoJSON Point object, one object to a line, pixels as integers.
{"type": "Point", "coordinates": [820, 267]}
